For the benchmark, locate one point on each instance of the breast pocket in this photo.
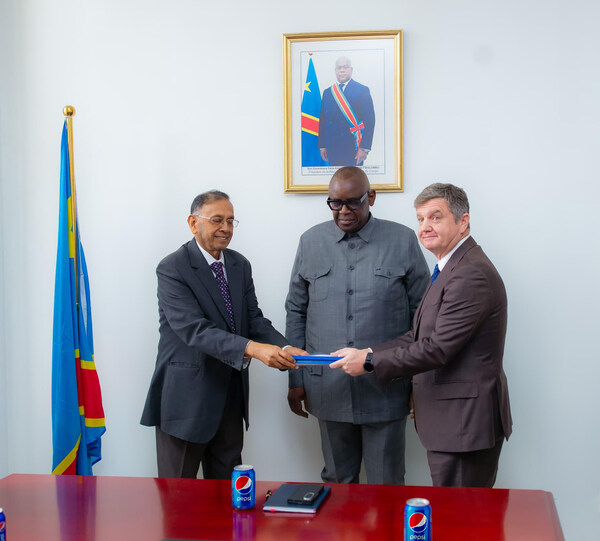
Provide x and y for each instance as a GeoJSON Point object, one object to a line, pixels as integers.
{"type": "Point", "coordinates": [389, 283]}
{"type": "Point", "coordinates": [318, 283]}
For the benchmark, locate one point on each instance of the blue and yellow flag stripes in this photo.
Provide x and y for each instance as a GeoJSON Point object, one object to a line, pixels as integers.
{"type": "Point", "coordinates": [77, 413]}
{"type": "Point", "coordinates": [311, 109]}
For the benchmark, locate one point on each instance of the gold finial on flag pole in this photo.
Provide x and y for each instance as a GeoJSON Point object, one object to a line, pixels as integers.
{"type": "Point", "coordinates": [69, 112]}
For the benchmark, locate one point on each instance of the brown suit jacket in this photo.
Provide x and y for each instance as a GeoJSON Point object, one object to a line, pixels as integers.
{"type": "Point", "coordinates": [454, 355]}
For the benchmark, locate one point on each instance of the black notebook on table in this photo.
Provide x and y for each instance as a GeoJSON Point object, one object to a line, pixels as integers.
{"type": "Point", "coordinates": [278, 501]}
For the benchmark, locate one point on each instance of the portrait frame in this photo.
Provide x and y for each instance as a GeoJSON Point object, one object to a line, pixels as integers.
{"type": "Point", "coordinates": [376, 61]}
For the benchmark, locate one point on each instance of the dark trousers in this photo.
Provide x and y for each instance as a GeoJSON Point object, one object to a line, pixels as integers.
{"type": "Point", "coordinates": [380, 445]}
{"type": "Point", "coordinates": [181, 458]}
{"type": "Point", "coordinates": [472, 469]}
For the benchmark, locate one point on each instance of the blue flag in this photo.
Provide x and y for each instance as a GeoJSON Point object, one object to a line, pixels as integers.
{"type": "Point", "coordinates": [311, 110]}
{"type": "Point", "coordinates": [77, 413]}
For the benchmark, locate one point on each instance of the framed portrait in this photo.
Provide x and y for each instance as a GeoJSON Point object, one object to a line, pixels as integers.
{"type": "Point", "coordinates": [342, 105]}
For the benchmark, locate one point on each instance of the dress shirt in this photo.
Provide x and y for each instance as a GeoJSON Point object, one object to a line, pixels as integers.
{"type": "Point", "coordinates": [442, 262]}
{"type": "Point", "coordinates": [210, 260]}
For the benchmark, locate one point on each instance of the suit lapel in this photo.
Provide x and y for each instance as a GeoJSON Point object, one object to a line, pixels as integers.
{"type": "Point", "coordinates": [348, 87]}
{"type": "Point", "coordinates": [444, 276]}
{"type": "Point", "coordinates": [207, 278]}
{"type": "Point", "coordinates": [459, 254]}
{"type": "Point", "coordinates": [417, 317]}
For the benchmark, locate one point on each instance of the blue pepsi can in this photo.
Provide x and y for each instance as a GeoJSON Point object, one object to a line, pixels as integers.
{"type": "Point", "coordinates": [417, 520]}
{"type": "Point", "coordinates": [2, 525]}
{"type": "Point", "coordinates": [243, 489]}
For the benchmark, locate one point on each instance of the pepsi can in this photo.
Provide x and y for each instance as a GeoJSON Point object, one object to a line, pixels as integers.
{"type": "Point", "coordinates": [2, 525]}
{"type": "Point", "coordinates": [243, 489]}
{"type": "Point", "coordinates": [417, 520]}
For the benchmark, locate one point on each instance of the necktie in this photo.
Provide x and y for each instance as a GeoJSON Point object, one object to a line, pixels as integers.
{"type": "Point", "coordinates": [436, 273]}
{"type": "Point", "coordinates": [342, 86]}
{"type": "Point", "coordinates": [217, 268]}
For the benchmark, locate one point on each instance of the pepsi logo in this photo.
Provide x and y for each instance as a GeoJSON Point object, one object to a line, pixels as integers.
{"type": "Point", "coordinates": [417, 522]}
{"type": "Point", "coordinates": [2, 525]}
{"type": "Point", "coordinates": [243, 484]}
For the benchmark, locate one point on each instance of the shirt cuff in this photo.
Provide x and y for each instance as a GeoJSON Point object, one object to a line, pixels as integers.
{"type": "Point", "coordinates": [246, 360]}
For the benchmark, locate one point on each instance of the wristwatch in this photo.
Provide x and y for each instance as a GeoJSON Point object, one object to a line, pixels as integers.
{"type": "Point", "coordinates": [368, 364]}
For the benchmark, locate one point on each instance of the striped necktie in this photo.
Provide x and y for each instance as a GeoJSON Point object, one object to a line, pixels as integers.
{"type": "Point", "coordinates": [436, 273]}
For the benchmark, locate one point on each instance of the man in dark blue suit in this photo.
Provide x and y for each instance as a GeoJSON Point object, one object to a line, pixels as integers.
{"type": "Point", "coordinates": [210, 327]}
{"type": "Point", "coordinates": [347, 119]}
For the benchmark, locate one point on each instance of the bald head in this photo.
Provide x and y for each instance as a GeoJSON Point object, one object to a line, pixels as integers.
{"type": "Point", "coordinates": [353, 176]}
{"type": "Point", "coordinates": [348, 185]}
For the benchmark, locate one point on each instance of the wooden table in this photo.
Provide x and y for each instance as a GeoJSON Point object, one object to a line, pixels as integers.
{"type": "Point", "coordinates": [68, 508]}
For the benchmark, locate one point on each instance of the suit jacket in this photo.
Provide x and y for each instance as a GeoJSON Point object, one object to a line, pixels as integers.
{"type": "Point", "coordinates": [384, 268]}
{"type": "Point", "coordinates": [334, 129]}
{"type": "Point", "coordinates": [197, 350]}
{"type": "Point", "coordinates": [454, 354]}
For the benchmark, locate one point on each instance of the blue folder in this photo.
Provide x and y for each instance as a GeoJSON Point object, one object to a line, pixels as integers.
{"type": "Point", "coordinates": [315, 359]}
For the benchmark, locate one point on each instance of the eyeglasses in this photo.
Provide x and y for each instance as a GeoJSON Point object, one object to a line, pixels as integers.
{"type": "Point", "coordinates": [218, 220]}
{"type": "Point", "coordinates": [351, 204]}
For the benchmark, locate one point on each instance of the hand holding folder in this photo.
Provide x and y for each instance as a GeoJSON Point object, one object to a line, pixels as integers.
{"type": "Point", "coordinates": [304, 360]}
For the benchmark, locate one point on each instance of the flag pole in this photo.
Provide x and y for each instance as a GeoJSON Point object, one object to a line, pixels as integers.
{"type": "Point", "coordinates": [69, 112]}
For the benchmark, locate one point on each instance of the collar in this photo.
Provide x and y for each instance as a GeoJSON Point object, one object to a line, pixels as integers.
{"type": "Point", "coordinates": [209, 258]}
{"type": "Point", "coordinates": [442, 262]}
{"type": "Point", "coordinates": [366, 233]}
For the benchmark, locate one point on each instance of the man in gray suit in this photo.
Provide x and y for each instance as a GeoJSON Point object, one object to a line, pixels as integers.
{"type": "Point", "coordinates": [210, 327]}
{"type": "Point", "coordinates": [356, 280]}
{"type": "Point", "coordinates": [454, 350]}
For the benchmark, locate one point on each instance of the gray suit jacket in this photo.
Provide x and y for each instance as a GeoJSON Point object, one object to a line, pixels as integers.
{"type": "Point", "coordinates": [197, 351]}
{"type": "Point", "coordinates": [454, 354]}
{"type": "Point", "coordinates": [354, 292]}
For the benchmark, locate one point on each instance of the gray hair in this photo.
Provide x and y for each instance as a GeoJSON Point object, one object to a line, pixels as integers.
{"type": "Point", "coordinates": [207, 197]}
{"type": "Point", "coordinates": [455, 198]}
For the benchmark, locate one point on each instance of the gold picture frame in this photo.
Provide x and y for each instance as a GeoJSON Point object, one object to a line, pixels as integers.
{"type": "Point", "coordinates": [375, 58]}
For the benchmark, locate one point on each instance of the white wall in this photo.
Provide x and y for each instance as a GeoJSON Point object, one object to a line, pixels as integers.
{"type": "Point", "coordinates": [7, 169]}
{"type": "Point", "coordinates": [500, 98]}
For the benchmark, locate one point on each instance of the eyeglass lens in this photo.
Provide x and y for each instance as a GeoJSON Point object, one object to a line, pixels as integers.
{"type": "Point", "coordinates": [352, 204]}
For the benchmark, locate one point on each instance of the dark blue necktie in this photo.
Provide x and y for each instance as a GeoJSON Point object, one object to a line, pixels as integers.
{"type": "Point", "coordinates": [217, 268]}
{"type": "Point", "coordinates": [436, 273]}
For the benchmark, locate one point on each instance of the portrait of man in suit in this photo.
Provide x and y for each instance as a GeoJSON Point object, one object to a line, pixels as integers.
{"type": "Point", "coordinates": [357, 280]}
{"type": "Point", "coordinates": [347, 119]}
{"type": "Point", "coordinates": [210, 327]}
{"type": "Point", "coordinates": [454, 351]}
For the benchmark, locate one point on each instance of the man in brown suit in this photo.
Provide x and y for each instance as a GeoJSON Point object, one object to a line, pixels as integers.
{"type": "Point", "coordinates": [454, 350]}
